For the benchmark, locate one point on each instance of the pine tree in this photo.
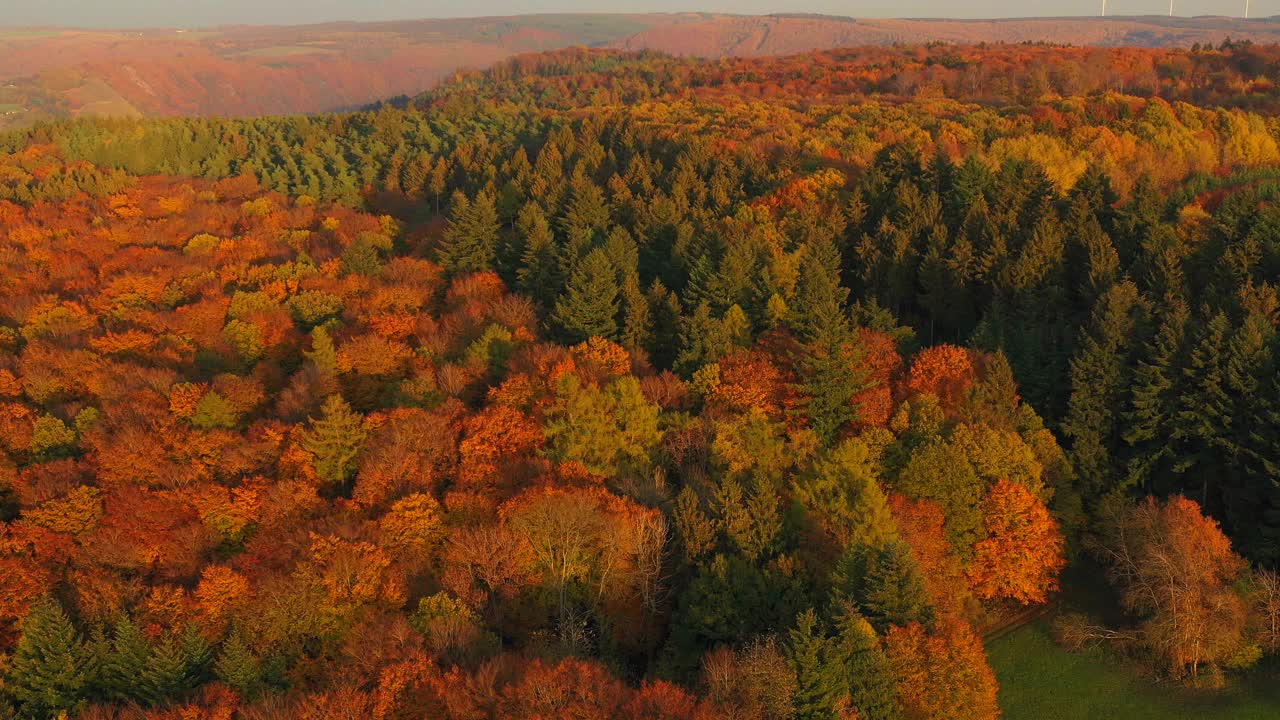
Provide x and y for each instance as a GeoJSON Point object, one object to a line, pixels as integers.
{"type": "Point", "coordinates": [893, 590]}
{"type": "Point", "coordinates": [584, 223]}
{"type": "Point", "coordinates": [665, 311]}
{"type": "Point", "coordinates": [1250, 498]}
{"type": "Point", "coordinates": [869, 676]}
{"type": "Point", "coordinates": [336, 440]}
{"type": "Point", "coordinates": [1099, 379]}
{"type": "Point", "coordinates": [471, 239]}
{"type": "Point", "coordinates": [820, 302]}
{"type": "Point", "coordinates": [50, 672]}
{"type": "Point", "coordinates": [122, 669]}
{"type": "Point", "coordinates": [829, 353]}
{"type": "Point", "coordinates": [820, 683]}
{"type": "Point", "coordinates": [637, 323]}
{"type": "Point", "coordinates": [238, 668]}
{"type": "Point", "coordinates": [197, 656]}
{"type": "Point", "coordinates": [538, 276]}
{"type": "Point", "coordinates": [589, 306]}
{"type": "Point", "coordinates": [1154, 404]}
{"type": "Point", "coordinates": [1204, 412]}
{"type": "Point", "coordinates": [165, 676]}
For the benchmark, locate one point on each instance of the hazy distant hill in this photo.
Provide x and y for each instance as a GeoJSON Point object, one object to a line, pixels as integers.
{"type": "Point", "coordinates": [779, 35]}
{"type": "Point", "coordinates": [269, 70]}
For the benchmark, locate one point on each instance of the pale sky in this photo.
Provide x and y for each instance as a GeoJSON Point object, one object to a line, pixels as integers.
{"type": "Point", "coordinates": [191, 13]}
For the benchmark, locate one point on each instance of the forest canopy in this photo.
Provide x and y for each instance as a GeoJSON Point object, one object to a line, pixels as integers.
{"type": "Point", "coordinates": [611, 385]}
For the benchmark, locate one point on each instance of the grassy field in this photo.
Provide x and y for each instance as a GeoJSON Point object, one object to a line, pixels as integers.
{"type": "Point", "coordinates": [1040, 681]}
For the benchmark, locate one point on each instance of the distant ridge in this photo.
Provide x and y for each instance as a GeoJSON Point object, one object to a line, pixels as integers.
{"type": "Point", "coordinates": [48, 73]}
{"type": "Point", "coordinates": [786, 34]}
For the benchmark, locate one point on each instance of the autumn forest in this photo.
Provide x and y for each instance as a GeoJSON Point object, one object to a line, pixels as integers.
{"type": "Point", "coordinates": [614, 385]}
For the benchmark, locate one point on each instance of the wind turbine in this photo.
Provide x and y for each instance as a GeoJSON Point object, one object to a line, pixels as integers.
{"type": "Point", "coordinates": [1104, 7]}
{"type": "Point", "coordinates": [1246, 9]}
{"type": "Point", "coordinates": [1170, 8]}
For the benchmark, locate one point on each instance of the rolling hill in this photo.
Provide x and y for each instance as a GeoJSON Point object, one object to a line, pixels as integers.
{"type": "Point", "coordinates": [789, 34]}
{"type": "Point", "coordinates": [235, 71]}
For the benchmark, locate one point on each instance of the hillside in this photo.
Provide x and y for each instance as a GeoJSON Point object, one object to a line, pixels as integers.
{"type": "Point", "coordinates": [266, 70]}
{"type": "Point", "coordinates": [237, 71]}
{"type": "Point", "coordinates": [621, 386]}
{"type": "Point", "coordinates": [781, 35]}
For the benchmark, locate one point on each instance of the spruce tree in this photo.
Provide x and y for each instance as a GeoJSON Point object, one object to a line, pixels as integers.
{"type": "Point", "coordinates": [237, 666]}
{"type": "Point", "coordinates": [589, 306]}
{"type": "Point", "coordinates": [893, 590]}
{"type": "Point", "coordinates": [1099, 379]}
{"type": "Point", "coordinates": [820, 682]}
{"type": "Point", "coordinates": [872, 687]}
{"type": "Point", "coordinates": [1250, 498]}
{"type": "Point", "coordinates": [1153, 405]}
{"type": "Point", "coordinates": [335, 439]}
{"type": "Point", "coordinates": [197, 657]}
{"type": "Point", "coordinates": [583, 225]}
{"type": "Point", "coordinates": [165, 676]}
{"type": "Point", "coordinates": [1204, 413]}
{"type": "Point", "coordinates": [50, 670]}
{"type": "Point", "coordinates": [665, 312]}
{"type": "Point", "coordinates": [820, 302]}
{"type": "Point", "coordinates": [538, 276]}
{"type": "Point", "coordinates": [1093, 265]}
{"type": "Point", "coordinates": [122, 669]}
{"type": "Point", "coordinates": [637, 323]}
{"type": "Point", "coordinates": [415, 174]}
{"type": "Point", "coordinates": [829, 353]}
{"type": "Point", "coordinates": [471, 239]}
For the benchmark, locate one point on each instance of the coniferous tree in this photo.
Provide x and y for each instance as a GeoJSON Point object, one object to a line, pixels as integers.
{"type": "Point", "coordinates": [869, 676]}
{"type": "Point", "coordinates": [1153, 406]}
{"type": "Point", "coordinates": [665, 312]}
{"type": "Point", "coordinates": [1037, 329]}
{"type": "Point", "coordinates": [584, 223]}
{"type": "Point", "coordinates": [538, 276]}
{"type": "Point", "coordinates": [1093, 265]}
{"type": "Point", "coordinates": [637, 320]}
{"type": "Point", "coordinates": [843, 495]}
{"type": "Point", "coordinates": [471, 239]}
{"type": "Point", "coordinates": [820, 678]}
{"type": "Point", "coordinates": [238, 667]}
{"type": "Point", "coordinates": [829, 353]}
{"type": "Point", "coordinates": [1250, 499]}
{"type": "Point", "coordinates": [589, 306]}
{"type": "Point", "coordinates": [50, 671]}
{"type": "Point", "coordinates": [197, 657]}
{"type": "Point", "coordinates": [335, 439]}
{"type": "Point", "coordinates": [165, 676]}
{"type": "Point", "coordinates": [415, 175]}
{"type": "Point", "coordinates": [1204, 413]}
{"type": "Point", "coordinates": [1099, 380]}
{"type": "Point", "coordinates": [893, 590]}
{"type": "Point", "coordinates": [121, 672]}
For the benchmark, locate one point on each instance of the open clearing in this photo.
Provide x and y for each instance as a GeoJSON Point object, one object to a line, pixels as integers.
{"type": "Point", "coordinates": [1041, 681]}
